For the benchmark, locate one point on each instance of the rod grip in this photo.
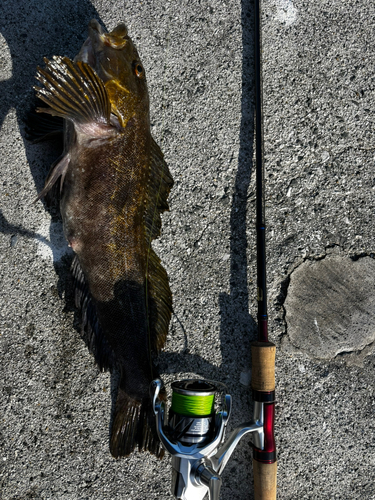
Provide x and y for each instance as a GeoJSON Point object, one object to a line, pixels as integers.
{"type": "Point", "coordinates": [264, 480]}
{"type": "Point", "coordinates": [263, 366]}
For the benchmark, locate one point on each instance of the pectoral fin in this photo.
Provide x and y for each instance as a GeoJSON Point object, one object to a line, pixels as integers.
{"type": "Point", "coordinates": [73, 91]}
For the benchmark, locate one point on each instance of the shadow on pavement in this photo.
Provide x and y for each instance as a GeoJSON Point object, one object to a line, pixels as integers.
{"type": "Point", "coordinates": [238, 328]}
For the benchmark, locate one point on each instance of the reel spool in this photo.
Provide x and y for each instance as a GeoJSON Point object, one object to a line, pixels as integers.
{"type": "Point", "coordinates": [192, 414]}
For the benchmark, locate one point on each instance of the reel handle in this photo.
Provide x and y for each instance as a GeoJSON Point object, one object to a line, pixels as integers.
{"type": "Point", "coordinates": [207, 476]}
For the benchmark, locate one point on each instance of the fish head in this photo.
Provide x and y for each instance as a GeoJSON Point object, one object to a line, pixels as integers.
{"type": "Point", "coordinates": [116, 61]}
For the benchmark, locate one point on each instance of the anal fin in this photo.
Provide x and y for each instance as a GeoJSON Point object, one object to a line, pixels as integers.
{"type": "Point", "coordinates": [91, 330]}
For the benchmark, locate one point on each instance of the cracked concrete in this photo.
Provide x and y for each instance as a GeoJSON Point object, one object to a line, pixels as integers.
{"type": "Point", "coordinates": [330, 306]}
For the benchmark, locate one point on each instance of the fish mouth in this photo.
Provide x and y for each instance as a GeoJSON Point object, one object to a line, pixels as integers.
{"type": "Point", "coordinates": [116, 39]}
{"type": "Point", "coordinates": [93, 44]}
{"type": "Point", "coordinates": [111, 54]}
{"type": "Point", "coordinates": [95, 26]}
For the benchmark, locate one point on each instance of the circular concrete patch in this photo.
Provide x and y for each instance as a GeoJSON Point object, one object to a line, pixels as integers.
{"type": "Point", "coordinates": [330, 306]}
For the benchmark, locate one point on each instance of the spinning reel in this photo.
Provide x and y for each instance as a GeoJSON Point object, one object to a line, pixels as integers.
{"type": "Point", "coordinates": [194, 435]}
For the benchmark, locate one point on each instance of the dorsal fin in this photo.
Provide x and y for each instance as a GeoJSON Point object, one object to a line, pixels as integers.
{"type": "Point", "coordinates": [159, 294]}
{"type": "Point", "coordinates": [160, 184]}
{"type": "Point", "coordinates": [159, 301]}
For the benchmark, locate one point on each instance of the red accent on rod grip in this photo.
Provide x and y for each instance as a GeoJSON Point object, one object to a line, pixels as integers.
{"type": "Point", "coordinates": [269, 420]}
{"type": "Point", "coordinates": [262, 330]}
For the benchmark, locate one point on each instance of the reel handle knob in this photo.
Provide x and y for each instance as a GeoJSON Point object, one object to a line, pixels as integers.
{"type": "Point", "coordinates": [209, 477]}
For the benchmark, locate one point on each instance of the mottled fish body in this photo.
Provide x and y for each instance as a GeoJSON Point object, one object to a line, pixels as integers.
{"type": "Point", "coordinates": [114, 185]}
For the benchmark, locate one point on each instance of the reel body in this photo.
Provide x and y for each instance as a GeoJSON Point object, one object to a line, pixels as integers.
{"type": "Point", "coordinates": [194, 436]}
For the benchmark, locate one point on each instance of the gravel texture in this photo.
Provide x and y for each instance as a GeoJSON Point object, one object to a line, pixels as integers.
{"type": "Point", "coordinates": [320, 152]}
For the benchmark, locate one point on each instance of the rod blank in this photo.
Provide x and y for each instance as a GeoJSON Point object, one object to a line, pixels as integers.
{"type": "Point", "coordinates": [263, 352]}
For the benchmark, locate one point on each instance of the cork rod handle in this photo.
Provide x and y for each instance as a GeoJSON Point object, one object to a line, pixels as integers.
{"type": "Point", "coordinates": [264, 480]}
{"type": "Point", "coordinates": [263, 366]}
{"type": "Point", "coordinates": [263, 381]}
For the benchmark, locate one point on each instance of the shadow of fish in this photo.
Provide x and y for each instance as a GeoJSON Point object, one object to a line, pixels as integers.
{"type": "Point", "coordinates": [114, 184]}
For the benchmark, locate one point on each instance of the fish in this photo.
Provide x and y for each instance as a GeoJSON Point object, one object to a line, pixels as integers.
{"type": "Point", "coordinates": [113, 186]}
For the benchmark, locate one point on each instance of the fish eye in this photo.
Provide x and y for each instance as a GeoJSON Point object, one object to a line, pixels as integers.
{"type": "Point", "coordinates": [138, 69]}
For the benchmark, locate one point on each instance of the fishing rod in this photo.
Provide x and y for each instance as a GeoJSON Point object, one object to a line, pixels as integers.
{"type": "Point", "coordinates": [194, 431]}
{"type": "Point", "coordinates": [262, 351]}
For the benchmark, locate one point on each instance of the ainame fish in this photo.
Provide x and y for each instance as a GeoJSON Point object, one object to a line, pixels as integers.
{"type": "Point", "coordinates": [114, 184]}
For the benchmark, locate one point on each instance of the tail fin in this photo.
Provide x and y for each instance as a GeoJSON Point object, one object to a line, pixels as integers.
{"type": "Point", "coordinates": [134, 426]}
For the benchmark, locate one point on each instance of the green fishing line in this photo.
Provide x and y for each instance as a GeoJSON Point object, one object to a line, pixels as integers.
{"type": "Point", "coordinates": [192, 406]}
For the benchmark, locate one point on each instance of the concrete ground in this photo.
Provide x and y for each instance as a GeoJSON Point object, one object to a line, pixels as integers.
{"type": "Point", "coordinates": [319, 144]}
